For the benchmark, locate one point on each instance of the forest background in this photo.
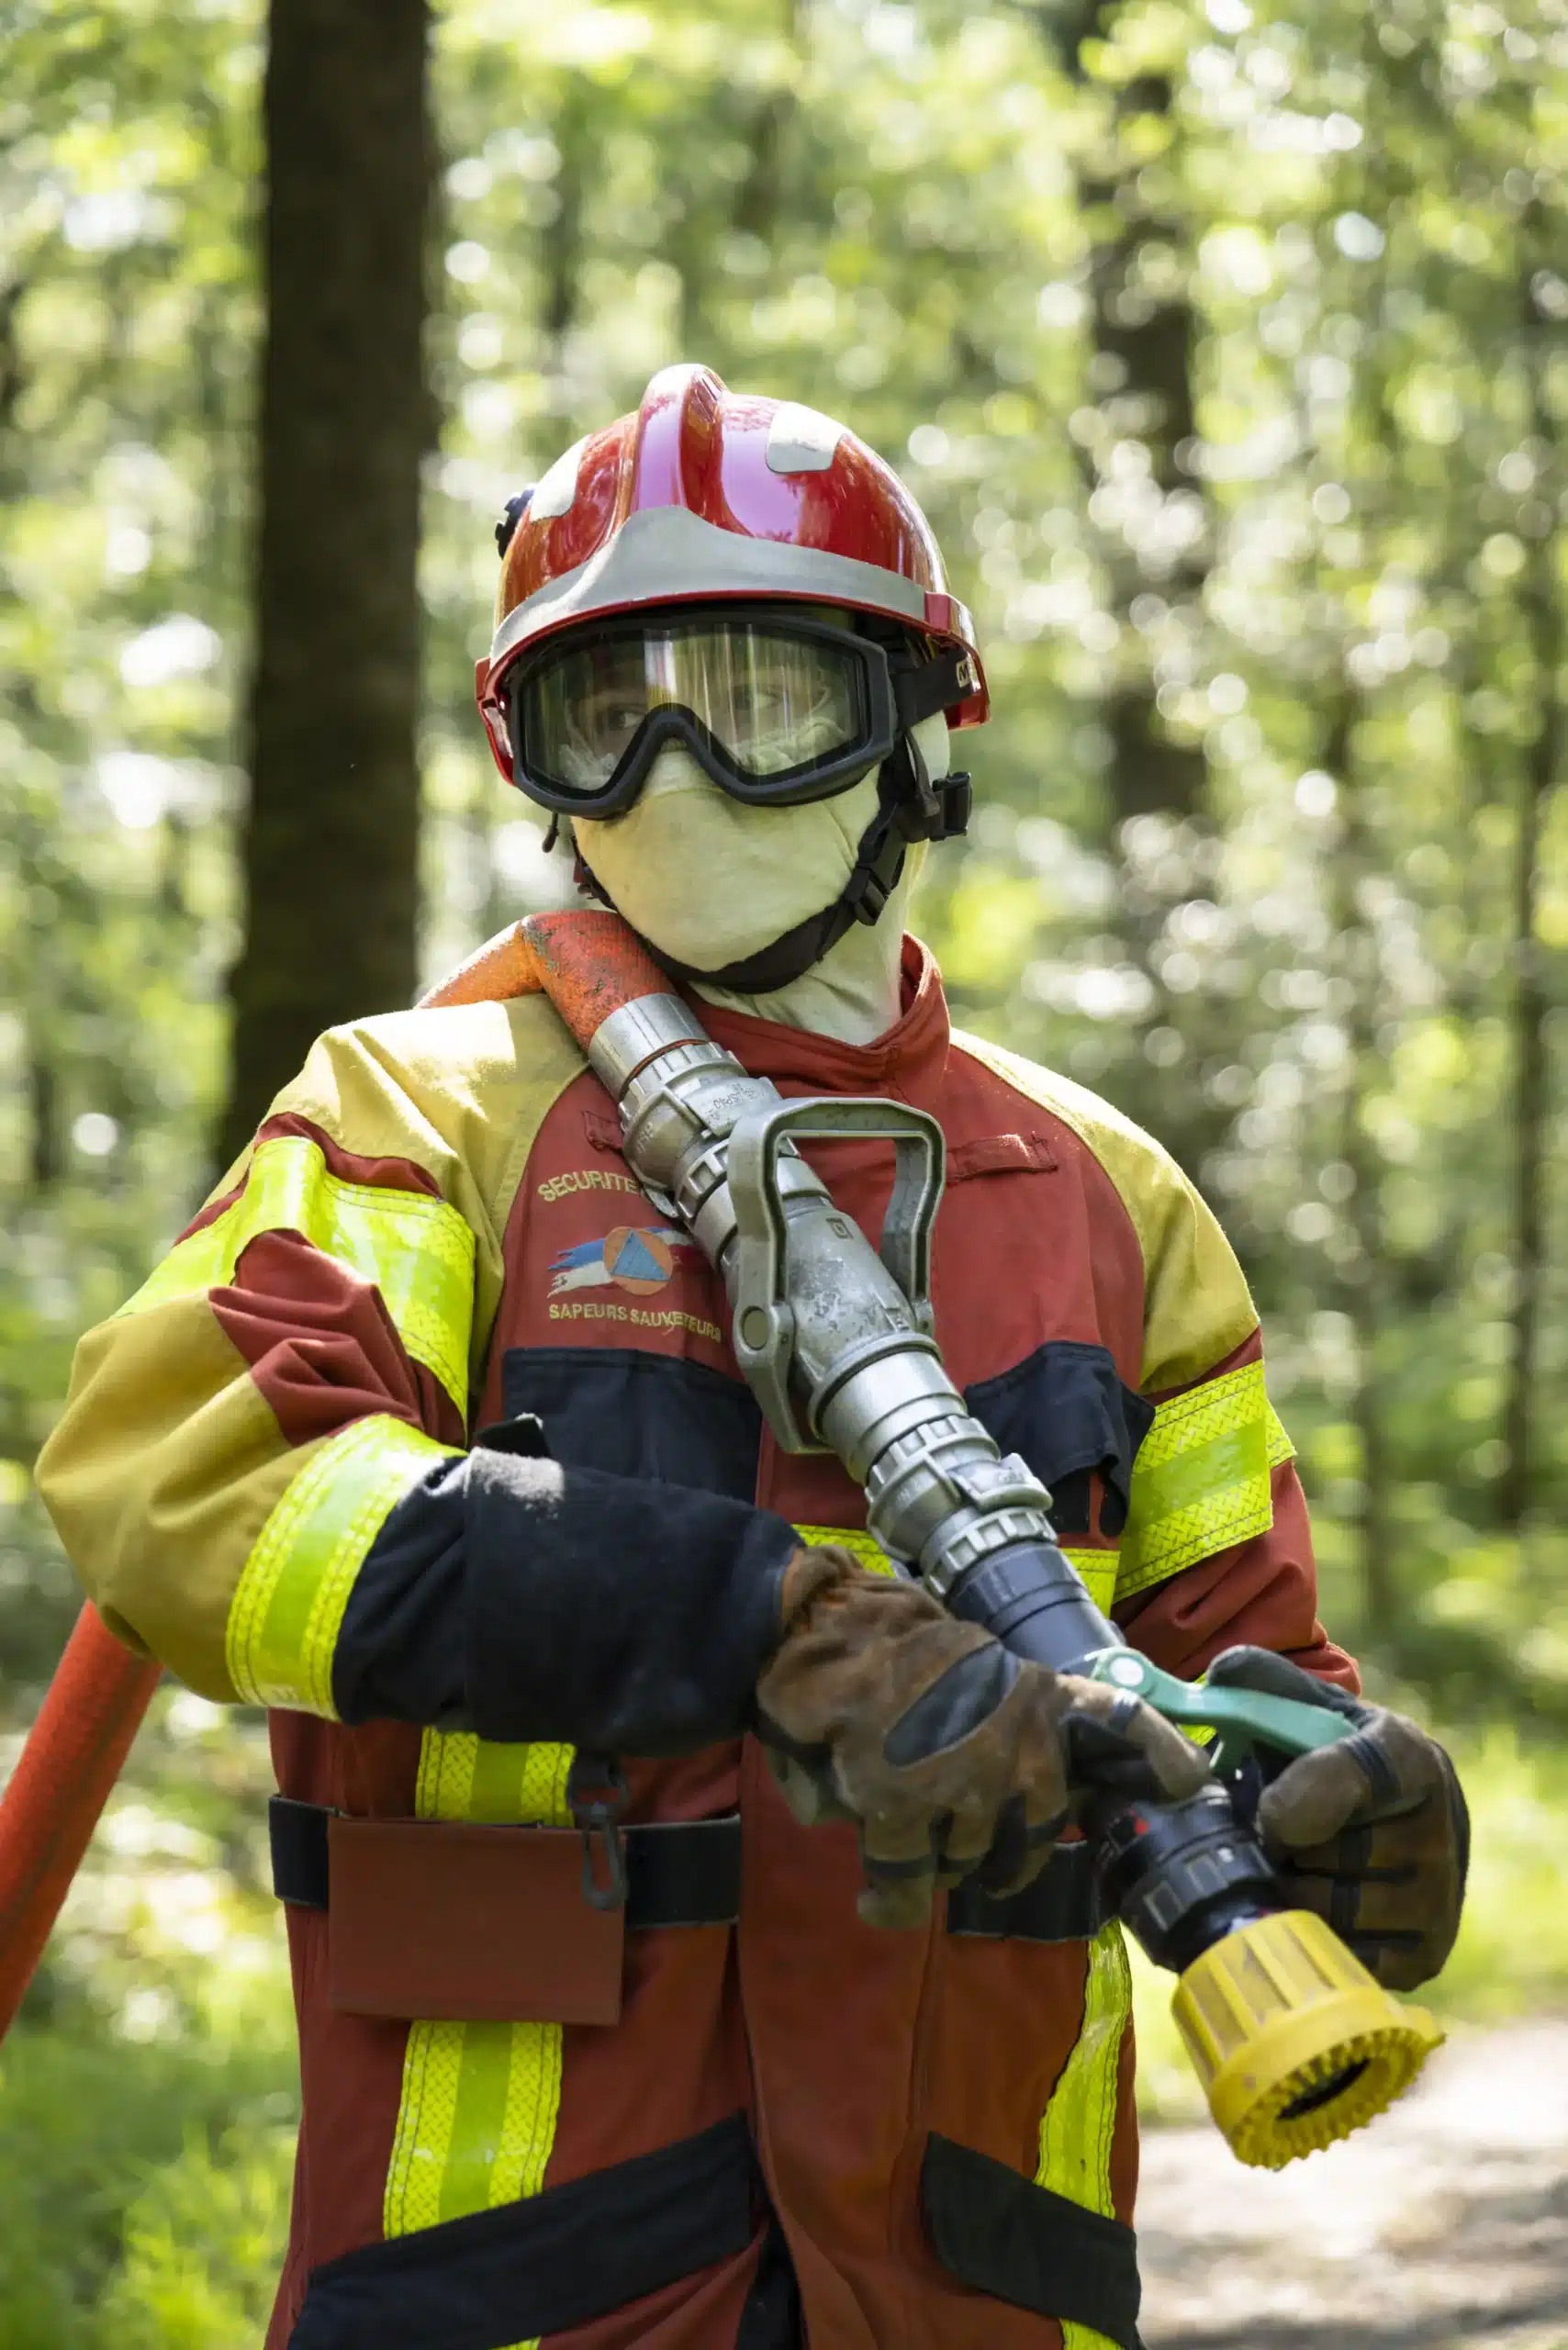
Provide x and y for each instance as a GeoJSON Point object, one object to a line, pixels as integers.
{"type": "Point", "coordinates": [1228, 350]}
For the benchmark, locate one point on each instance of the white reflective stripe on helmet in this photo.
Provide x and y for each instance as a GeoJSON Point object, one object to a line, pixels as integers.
{"type": "Point", "coordinates": [666, 555]}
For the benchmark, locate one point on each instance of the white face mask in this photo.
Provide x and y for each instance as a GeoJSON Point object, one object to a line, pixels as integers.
{"type": "Point", "coordinates": [711, 881]}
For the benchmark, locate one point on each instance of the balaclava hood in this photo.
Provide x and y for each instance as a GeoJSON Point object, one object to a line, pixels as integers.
{"type": "Point", "coordinates": [709, 882]}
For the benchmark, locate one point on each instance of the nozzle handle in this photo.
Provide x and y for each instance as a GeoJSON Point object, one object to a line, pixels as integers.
{"type": "Point", "coordinates": [1034, 1601]}
{"type": "Point", "coordinates": [1243, 1718]}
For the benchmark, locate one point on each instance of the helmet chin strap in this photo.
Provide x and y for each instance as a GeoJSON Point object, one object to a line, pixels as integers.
{"type": "Point", "coordinates": [910, 807]}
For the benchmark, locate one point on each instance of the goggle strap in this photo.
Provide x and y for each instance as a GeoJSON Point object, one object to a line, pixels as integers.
{"type": "Point", "coordinates": [935, 686]}
{"type": "Point", "coordinates": [957, 794]}
{"type": "Point", "coordinates": [877, 868]}
{"type": "Point", "coordinates": [928, 808]}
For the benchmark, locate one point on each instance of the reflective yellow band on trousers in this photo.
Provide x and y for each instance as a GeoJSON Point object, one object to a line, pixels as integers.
{"type": "Point", "coordinates": [287, 1608]}
{"type": "Point", "coordinates": [480, 2101]}
{"type": "Point", "coordinates": [1079, 2125]}
{"type": "Point", "coordinates": [1201, 1480]}
{"type": "Point", "coordinates": [417, 1250]}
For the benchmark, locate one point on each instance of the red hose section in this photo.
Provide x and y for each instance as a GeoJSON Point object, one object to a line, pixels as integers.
{"type": "Point", "coordinates": [586, 961]}
{"type": "Point", "coordinates": [502, 968]}
{"type": "Point", "coordinates": [72, 1756]}
{"type": "Point", "coordinates": [590, 965]}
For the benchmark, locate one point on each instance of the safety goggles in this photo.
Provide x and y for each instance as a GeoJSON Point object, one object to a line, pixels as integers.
{"type": "Point", "coordinates": [777, 709]}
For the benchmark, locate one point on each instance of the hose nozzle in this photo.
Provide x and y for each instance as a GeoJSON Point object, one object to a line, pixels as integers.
{"type": "Point", "coordinates": [1295, 2043]}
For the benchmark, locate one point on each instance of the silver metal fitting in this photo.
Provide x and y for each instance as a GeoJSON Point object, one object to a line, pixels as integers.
{"type": "Point", "coordinates": [832, 1335]}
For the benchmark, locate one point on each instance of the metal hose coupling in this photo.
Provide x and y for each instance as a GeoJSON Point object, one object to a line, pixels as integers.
{"type": "Point", "coordinates": [1295, 2045]}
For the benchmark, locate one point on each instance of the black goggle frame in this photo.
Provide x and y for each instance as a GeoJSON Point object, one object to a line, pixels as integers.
{"type": "Point", "coordinates": [896, 694]}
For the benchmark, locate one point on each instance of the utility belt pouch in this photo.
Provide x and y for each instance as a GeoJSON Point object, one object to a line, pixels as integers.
{"type": "Point", "coordinates": [442, 1918]}
{"type": "Point", "coordinates": [468, 1923]}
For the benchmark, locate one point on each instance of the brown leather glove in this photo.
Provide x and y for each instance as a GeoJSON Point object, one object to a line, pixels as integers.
{"type": "Point", "coordinates": [1372, 1834]}
{"type": "Point", "coordinates": [949, 1754]}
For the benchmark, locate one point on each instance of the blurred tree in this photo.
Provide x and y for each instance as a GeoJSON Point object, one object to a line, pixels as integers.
{"type": "Point", "coordinates": [1141, 367]}
{"type": "Point", "coordinates": [1542, 598]}
{"type": "Point", "coordinates": [125, 163]}
{"type": "Point", "coordinates": [330, 840]}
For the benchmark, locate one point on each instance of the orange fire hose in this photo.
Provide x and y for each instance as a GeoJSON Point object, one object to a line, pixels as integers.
{"type": "Point", "coordinates": [586, 961]}
{"type": "Point", "coordinates": [589, 963]}
{"type": "Point", "coordinates": [73, 1754]}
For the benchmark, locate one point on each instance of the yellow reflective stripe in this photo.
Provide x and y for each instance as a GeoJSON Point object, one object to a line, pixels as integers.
{"type": "Point", "coordinates": [480, 2101]}
{"type": "Point", "coordinates": [1079, 2125]}
{"type": "Point", "coordinates": [1097, 1567]}
{"type": "Point", "coordinates": [1080, 2122]}
{"type": "Point", "coordinates": [866, 1547]}
{"type": "Point", "coordinates": [287, 1608]}
{"type": "Point", "coordinates": [417, 1250]}
{"type": "Point", "coordinates": [431, 2065]}
{"type": "Point", "coordinates": [1201, 1479]}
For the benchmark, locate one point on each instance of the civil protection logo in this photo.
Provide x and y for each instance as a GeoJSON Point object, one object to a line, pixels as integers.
{"type": "Point", "coordinates": [638, 1257]}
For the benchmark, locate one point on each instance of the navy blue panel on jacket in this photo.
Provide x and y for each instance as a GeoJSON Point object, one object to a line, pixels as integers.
{"type": "Point", "coordinates": [1066, 1412]}
{"type": "Point", "coordinates": [640, 1415]}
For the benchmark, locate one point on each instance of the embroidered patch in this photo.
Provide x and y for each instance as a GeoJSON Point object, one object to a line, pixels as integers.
{"type": "Point", "coordinates": [640, 1259]}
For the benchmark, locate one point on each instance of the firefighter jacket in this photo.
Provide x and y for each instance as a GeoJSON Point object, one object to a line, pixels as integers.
{"type": "Point", "coordinates": [427, 1436]}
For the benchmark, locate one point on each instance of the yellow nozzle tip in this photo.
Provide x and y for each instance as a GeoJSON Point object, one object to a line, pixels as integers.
{"type": "Point", "coordinates": [1295, 2043]}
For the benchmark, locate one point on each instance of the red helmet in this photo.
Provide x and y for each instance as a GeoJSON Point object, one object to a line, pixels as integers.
{"type": "Point", "coordinates": [705, 495]}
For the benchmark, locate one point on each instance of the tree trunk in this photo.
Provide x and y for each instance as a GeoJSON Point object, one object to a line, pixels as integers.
{"type": "Point", "coordinates": [1542, 604]}
{"type": "Point", "coordinates": [330, 839]}
{"type": "Point", "coordinates": [758, 198]}
{"type": "Point", "coordinates": [1149, 343]}
{"type": "Point", "coordinates": [1364, 1282]}
{"type": "Point", "coordinates": [1143, 360]}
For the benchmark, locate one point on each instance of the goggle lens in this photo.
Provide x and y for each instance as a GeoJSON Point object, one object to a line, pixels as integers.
{"type": "Point", "coordinates": [771, 702]}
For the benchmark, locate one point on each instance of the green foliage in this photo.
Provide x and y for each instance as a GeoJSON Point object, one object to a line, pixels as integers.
{"type": "Point", "coordinates": [127, 160]}
{"type": "Point", "coordinates": [232, 2211]}
{"type": "Point", "coordinates": [145, 2188]}
{"type": "Point", "coordinates": [148, 2093]}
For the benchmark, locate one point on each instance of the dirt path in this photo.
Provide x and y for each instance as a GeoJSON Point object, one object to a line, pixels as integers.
{"type": "Point", "coordinates": [1443, 2227]}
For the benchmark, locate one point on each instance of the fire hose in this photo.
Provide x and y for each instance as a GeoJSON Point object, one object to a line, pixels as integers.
{"type": "Point", "coordinates": [1293, 2041]}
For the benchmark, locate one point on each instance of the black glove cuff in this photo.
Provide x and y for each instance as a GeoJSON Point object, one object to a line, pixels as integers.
{"type": "Point", "coordinates": [510, 1595]}
{"type": "Point", "coordinates": [612, 1612]}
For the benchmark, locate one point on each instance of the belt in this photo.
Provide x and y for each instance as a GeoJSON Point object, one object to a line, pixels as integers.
{"type": "Point", "coordinates": [687, 1872]}
{"type": "Point", "coordinates": [679, 1872]}
{"type": "Point", "coordinates": [1063, 1905]}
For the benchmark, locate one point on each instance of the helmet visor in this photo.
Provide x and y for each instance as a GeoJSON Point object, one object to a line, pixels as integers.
{"type": "Point", "coordinates": [769, 706]}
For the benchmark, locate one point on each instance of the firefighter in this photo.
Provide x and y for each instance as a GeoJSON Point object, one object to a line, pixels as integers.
{"type": "Point", "coordinates": [427, 1436]}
